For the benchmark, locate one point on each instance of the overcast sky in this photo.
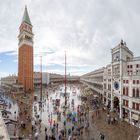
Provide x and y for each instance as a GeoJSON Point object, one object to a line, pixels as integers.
{"type": "Point", "coordinates": [86, 29]}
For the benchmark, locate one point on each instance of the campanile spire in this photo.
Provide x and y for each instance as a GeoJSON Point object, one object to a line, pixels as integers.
{"type": "Point", "coordinates": [26, 17]}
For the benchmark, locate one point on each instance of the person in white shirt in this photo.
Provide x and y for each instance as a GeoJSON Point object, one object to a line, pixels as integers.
{"type": "Point", "coordinates": [69, 138]}
{"type": "Point", "coordinates": [36, 136]}
{"type": "Point", "coordinates": [138, 138]}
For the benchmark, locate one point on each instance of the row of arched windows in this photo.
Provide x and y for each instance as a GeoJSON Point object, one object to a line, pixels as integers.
{"type": "Point", "coordinates": [125, 91]}
{"type": "Point", "coordinates": [136, 92]}
{"type": "Point", "coordinates": [125, 103]}
{"type": "Point", "coordinates": [135, 106]}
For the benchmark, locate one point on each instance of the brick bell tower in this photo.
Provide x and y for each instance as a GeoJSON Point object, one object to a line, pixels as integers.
{"type": "Point", "coordinates": [25, 53]}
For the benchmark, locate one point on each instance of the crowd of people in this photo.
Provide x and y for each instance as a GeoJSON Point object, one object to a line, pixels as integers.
{"type": "Point", "coordinates": [71, 123]}
{"type": "Point", "coordinates": [63, 123]}
{"type": "Point", "coordinates": [74, 125]}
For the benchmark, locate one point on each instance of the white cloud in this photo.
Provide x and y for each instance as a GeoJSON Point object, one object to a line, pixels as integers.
{"type": "Point", "coordinates": [3, 74]}
{"type": "Point", "coordinates": [12, 53]}
{"type": "Point", "coordinates": [87, 30]}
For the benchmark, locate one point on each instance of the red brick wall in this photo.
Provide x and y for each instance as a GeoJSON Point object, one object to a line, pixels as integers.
{"type": "Point", "coordinates": [25, 66]}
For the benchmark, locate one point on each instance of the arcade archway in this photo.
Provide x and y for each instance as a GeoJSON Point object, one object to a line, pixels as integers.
{"type": "Point", "coordinates": [116, 103]}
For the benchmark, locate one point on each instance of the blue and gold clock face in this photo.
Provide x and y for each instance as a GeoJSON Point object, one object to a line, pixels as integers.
{"type": "Point", "coordinates": [116, 85]}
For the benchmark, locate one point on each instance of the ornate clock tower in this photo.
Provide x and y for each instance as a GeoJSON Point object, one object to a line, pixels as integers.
{"type": "Point", "coordinates": [25, 53]}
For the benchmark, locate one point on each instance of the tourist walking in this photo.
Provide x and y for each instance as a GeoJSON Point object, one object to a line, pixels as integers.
{"type": "Point", "coordinates": [46, 137]}
{"type": "Point", "coordinates": [36, 136]}
{"type": "Point", "coordinates": [45, 130]}
{"type": "Point", "coordinates": [102, 136]}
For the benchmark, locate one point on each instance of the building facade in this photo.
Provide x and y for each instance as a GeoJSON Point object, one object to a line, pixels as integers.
{"type": "Point", "coordinates": [11, 81]}
{"type": "Point", "coordinates": [119, 83]}
{"type": "Point", "coordinates": [37, 79]}
{"type": "Point", "coordinates": [94, 80]}
{"type": "Point", "coordinates": [8, 81]}
{"type": "Point", "coordinates": [25, 53]}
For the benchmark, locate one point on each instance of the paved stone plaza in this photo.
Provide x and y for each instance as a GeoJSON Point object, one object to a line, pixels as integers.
{"type": "Point", "coordinates": [48, 115]}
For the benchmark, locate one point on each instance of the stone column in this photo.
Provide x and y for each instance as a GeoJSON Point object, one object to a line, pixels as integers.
{"type": "Point", "coordinates": [120, 79]}
{"type": "Point", "coordinates": [112, 102]}
{"type": "Point", "coordinates": [120, 107]}
{"type": "Point", "coordinates": [130, 117]}
{"type": "Point", "coordinates": [106, 99]}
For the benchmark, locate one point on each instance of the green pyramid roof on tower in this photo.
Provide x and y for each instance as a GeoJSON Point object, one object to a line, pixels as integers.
{"type": "Point", "coordinates": [26, 17]}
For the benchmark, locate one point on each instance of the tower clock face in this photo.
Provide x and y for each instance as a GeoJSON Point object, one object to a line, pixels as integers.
{"type": "Point", "coordinates": [116, 85]}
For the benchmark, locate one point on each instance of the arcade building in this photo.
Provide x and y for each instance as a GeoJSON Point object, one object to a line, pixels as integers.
{"type": "Point", "coordinates": [118, 83]}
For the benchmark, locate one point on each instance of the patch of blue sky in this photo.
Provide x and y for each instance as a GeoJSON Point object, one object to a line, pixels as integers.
{"type": "Point", "coordinates": [8, 63]}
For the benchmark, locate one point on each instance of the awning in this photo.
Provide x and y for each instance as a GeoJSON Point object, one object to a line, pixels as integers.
{"type": "Point", "coordinates": [135, 117]}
